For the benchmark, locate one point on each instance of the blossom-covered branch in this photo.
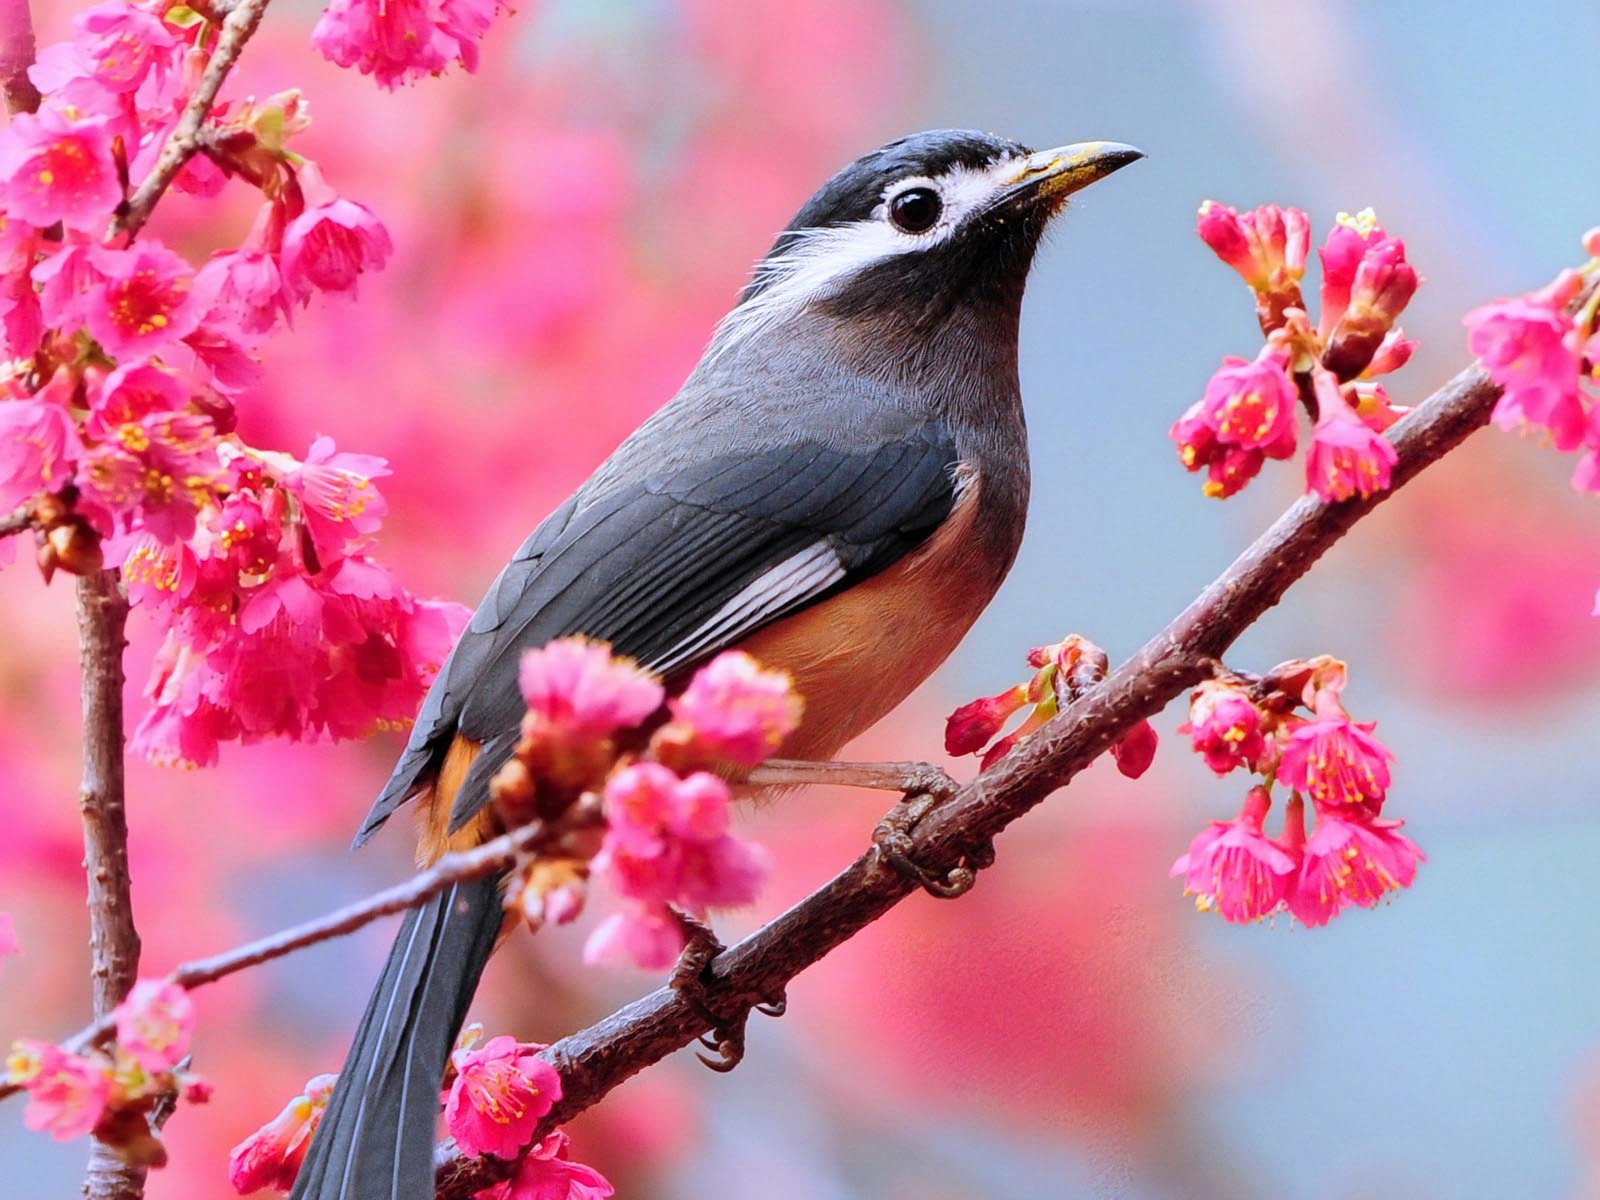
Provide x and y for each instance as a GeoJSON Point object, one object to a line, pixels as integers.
{"type": "Point", "coordinates": [184, 141]}
{"type": "Point", "coordinates": [593, 1062]}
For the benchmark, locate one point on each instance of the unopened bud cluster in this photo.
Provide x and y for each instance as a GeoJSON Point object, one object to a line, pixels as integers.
{"type": "Point", "coordinates": [1248, 413]}
{"type": "Point", "coordinates": [1061, 673]}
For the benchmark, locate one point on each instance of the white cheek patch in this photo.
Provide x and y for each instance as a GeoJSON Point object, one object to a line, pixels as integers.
{"type": "Point", "coordinates": [818, 262]}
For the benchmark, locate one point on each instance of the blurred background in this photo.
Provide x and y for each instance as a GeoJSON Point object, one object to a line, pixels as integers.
{"type": "Point", "coordinates": [570, 223]}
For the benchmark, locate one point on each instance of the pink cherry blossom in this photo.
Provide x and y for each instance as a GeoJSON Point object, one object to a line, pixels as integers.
{"type": "Point", "coordinates": [1225, 727]}
{"type": "Point", "coordinates": [157, 470]}
{"type": "Point", "coordinates": [141, 300]}
{"type": "Point", "coordinates": [1351, 860]}
{"type": "Point", "coordinates": [271, 1156]}
{"type": "Point", "coordinates": [1248, 413]}
{"type": "Point", "coordinates": [1528, 345]}
{"type": "Point", "coordinates": [1336, 762]}
{"type": "Point", "coordinates": [1234, 869]}
{"type": "Point", "coordinates": [55, 169]}
{"type": "Point", "coordinates": [735, 711]}
{"type": "Point", "coordinates": [21, 319]}
{"type": "Point", "coordinates": [338, 500]}
{"type": "Point", "coordinates": [155, 1023]}
{"type": "Point", "coordinates": [576, 688]}
{"type": "Point", "coordinates": [38, 444]}
{"type": "Point", "coordinates": [124, 44]}
{"type": "Point", "coordinates": [499, 1093]}
{"type": "Point", "coordinates": [332, 242]}
{"type": "Point", "coordinates": [647, 937]}
{"type": "Point", "coordinates": [397, 40]}
{"type": "Point", "coordinates": [546, 1173]}
{"type": "Point", "coordinates": [132, 392]}
{"type": "Point", "coordinates": [1347, 457]}
{"type": "Point", "coordinates": [389, 41]}
{"type": "Point", "coordinates": [67, 1093]}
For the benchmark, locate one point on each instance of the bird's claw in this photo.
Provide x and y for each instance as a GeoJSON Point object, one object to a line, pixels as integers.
{"type": "Point", "coordinates": [691, 979]}
{"type": "Point", "coordinates": [894, 844]}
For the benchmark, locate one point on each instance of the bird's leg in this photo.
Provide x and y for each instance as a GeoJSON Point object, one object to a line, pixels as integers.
{"type": "Point", "coordinates": [908, 777]}
{"type": "Point", "coordinates": [691, 979]}
{"type": "Point", "coordinates": [924, 788]}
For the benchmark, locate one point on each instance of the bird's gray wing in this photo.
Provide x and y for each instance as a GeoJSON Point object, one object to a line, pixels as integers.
{"type": "Point", "coordinates": [672, 569]}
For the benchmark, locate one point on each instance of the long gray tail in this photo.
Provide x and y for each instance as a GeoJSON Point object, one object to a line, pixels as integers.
{"type": "Point", "coordinates": [375, 1141]}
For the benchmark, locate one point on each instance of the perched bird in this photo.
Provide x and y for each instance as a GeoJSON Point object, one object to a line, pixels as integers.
{"type": "Point", "coordinates": [838, 489]}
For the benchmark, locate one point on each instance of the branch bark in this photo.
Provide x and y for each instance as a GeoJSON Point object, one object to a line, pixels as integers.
{"type": "Point", "coordinates": [16, 56]}
{"type": "Point", "coordinates": [596, 1060]}
{"type": "Point", "coordinates": [181, 145]}
{"type": "Point", "coordinates": [113, 938]}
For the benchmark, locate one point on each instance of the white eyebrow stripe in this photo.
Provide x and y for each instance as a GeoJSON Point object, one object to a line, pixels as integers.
{"type": "Point", "coordinates": [816, 261]}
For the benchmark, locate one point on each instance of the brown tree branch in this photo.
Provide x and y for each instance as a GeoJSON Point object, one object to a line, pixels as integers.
{"type": "Point", "coordinates": [16, 56]}
{"type": "Point", "coordinates": [596, 1060]}
{"type": "Point", "coordinates": [237, 29]}
{"type": "Point", "coordinates": [19, 519]}
{"type": "Point", "coordinates": [113, 939]}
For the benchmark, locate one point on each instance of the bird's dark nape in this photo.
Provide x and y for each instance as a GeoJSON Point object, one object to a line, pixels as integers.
{"type": "Point", "coordinates": [375, 1140]}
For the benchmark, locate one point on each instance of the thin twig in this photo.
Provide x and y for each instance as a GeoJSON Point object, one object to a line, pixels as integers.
{"type": "Point", "coordinates": [16, 56]}
{"type": "Point", "coordinates": [184, 141]}
{"type": "Point", "coordinates": [19, 519]}
{"type": "Point", "coordinates": [459, 867]}
{"type": "Point", "coordinates": [113, 938]}
{"type": "Point", "coordinates": [596, 1060]}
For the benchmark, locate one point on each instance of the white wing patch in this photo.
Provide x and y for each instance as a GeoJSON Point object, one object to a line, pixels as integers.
{"type": "Point", "coordinates": [796, 579]}
{"type": "Point", "coordinates": [817, 261]}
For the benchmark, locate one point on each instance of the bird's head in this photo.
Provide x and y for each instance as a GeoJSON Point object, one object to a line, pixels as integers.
{"type": "Point", "coordinates": [932, 224]}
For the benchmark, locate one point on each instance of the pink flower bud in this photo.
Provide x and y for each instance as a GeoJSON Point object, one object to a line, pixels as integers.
{"type": "Point", "coordinates": [1136, 751]}
{"type": "Point", "coordinates": [271, 1156]}
{"type": "Point", "coordinates": [973, 726]}
{"type": "Point", "coordinates": [1219, 227]}
{"type": "Point", "coordinates": [1393, 353]}
{"type": "Point", "coordinates": [1248, 414]}
{"type": "Point", "coordinates": [1225, 727]}
{"type": "Point", "coordinates": [1591, 242]}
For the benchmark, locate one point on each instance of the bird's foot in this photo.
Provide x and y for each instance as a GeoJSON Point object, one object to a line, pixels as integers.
{"type": "Point", "coordinates": [726, 1016]}
{"type": "Point", "coordinates": [893, 841]}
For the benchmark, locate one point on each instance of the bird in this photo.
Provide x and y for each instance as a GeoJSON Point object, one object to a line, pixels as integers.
{"type": "Point", "coordinates": [838, 489]}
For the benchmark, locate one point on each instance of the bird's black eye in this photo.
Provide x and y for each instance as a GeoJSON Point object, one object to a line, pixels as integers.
{"type": "Point", "coordinates": [916, 210]}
